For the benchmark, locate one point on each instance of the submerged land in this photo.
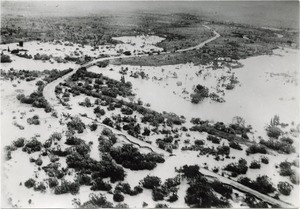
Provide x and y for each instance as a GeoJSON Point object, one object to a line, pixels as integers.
{"type": "Point", "coordinates": [144, 109]}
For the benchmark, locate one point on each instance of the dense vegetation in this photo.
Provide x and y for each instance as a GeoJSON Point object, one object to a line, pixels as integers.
{"type": "Point", "coordinates": [130, 157]}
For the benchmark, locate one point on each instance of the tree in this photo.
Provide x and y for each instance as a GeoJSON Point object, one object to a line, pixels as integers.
{"type": "Point", "coordinates": [284, 188]}
{"type": "Point", "coordinates": [5, 58]}
{"type": "Point", "coordinates": [150, 182]}
{"type": "Point", "coordinates": [191, 171]}
{"type": "Point", "coordinates": [118, 197]}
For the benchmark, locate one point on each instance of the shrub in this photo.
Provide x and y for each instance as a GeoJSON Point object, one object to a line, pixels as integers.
{"type": "Point", "coordinates": [255, 164]}
{"type": "Point", "coordinates": [161, 205]}
{"type": "Point", "coordinates": [130, 157]}
{"type": "Point", "coordinates": [93, 127]}
{"type": "Point", "coordinates": [273, 132]}
{"type": "Point", "coordinates": [239, 168]}
{"type": "Point", "coordinates": [295, 179]}
{"type": "Point", "coordinates": [235, 145]}
{"type": "Point", "coordinates": [157, 194]}
{"type": "Point", "coordinates": [97, 201]}
{"type": "Point", "coordinates": [34, 120]}
{"type": "Point", "coordinates": [40, 187]}
{"type": "Point", "coordinates": [126, 110]}
{"type": "Point", "coordinates": [252, 202]}
{"type": "Point", "coordinates": [262, 184]}
{"type": "Point", "coordinates": [39, 161]}
{"type": "Point", "coordinates": [200, 92]}
{"type": "Point", "coordinates": [108, 122]}
{"type": "Point", "coordinates": [256, 148]}
{"type": "Point", "coordinates": [19, 142]}
{"type": "Point", "coordinates": [29, 183]}
{"type": "Point", "coordinates": [76, 124]}
{"type": "Point", "coordinates": [53, 182]}
{"type": "Point", "coordinates": [84, 179]}
{"type": "Point", "coordinates": [55, 136]}
{"type": "Point", "coordinates": [32, 146]}
{"type": "Point", "coordinates": [286, 169]}
{"type": "Point", "coordinates": [5, 58]}
{"type": "Point", "coordinates": [278, 145]}
{"type": "Point", "coordinates": [126, 189]}
{"type": "Point", "coordinates": [99, 184]}
{"type": "Point", "coordinates": [98, 110]}
{"type": "Point", "coordinates": [200, 195]}
{"type": "Point", "coordinates": [190, 172]}
{"type": "Point", "coordinates": [73, 141]}
{"type": "Point", "coordinates": [121, 205]}
{"type": "Point", "coordinates": [265, 160]}
{"type": "Point", "coordinates": [222, 189]}
{"type": "Point", "coordinates": [284, 188]}
{"type": "Point", "coordinates": [223, 150]}
{"type": "Point", "coordinates": [67, 187]}
{"type": "Point", "coordinates": [213, 139]}
{"type": "Point", "coordinates": [118, 197]}
{"type": "Point", "coordinates": [150, 182]}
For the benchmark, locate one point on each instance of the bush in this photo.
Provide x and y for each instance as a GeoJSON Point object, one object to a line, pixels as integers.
{"type": "Point", "coordinates": [108, 122]}
{"type": "Point", "coordinates": [222, 189]}
{"type": "Point", "coordinates": [34, 120]}
{"type": "Point", "coordinates": [19, 142]}
{"type": "Point", "coordinates": [256, 148]}
{"type": "Point", "coordinates": [190, 172]}
{"type": "Point", "coordinates": [295, 179]}
{"type": "Point", "coordinates": [55, 136]}
{"type": "Point", "coordinates": [126, 110]}
{"type": "Point", "coordinates": [161, 205]}
{"type": "Point", "coordinates": [32, 146]}
{"type": "Point", "coordinates": [275, 144]}
{"type": "Point", "coordinates": [273, 132]}
{"type": "Point", "coordinates": [29, 183]}
{"type": "Point", "coordinates": [255, 164]}
{"type": "Point", "coordinates": [126, 189]}
{"type": "Point", "coordinates": [84, 179]}
{"type": "Point", "coordinates": [238, 168]}
{"type": "Point", "coordinates": [93, 127]}
{"type": "Point", "coordinates": [200, 92]}
{"type": "Point", "coordinates": [265, 160]}
{"type": "Point", "coordinates": [150, 182]}
{"type": "Point", "coordinates": [76, 124]}
{"type": "Point", "coordinates": [99, 184]}
{"type": "Point", "coordinates": [235, 145]}
{"type": "Point", "coordinates": [213, 139]}
{"type": "Point", "coordinates": [262, 184]}
{"type": "Point", "coordinates": [97, 201]}
{"type": "Point", "coordinates": [252, 202]}
{"type": "Point", "coordinates": [130, 157]}
{"type": "Point", "coordinates": [53, 182]}
{"type": "Point", "coordinates": [200, 195]}
{"type": "Point", "coordinates": [67, 187]}
{"type": "Point", "coordinates": [223, 150]}
{"type": "Point", "coordinates": [121, 205]}
{"type": "Point", "coordinates": [284, 188]}
{"type": "Point", "coordinates": [5, 58]}
{"type": "Point", "coordinates": [40, 187]}
{"type": "Point", "coordinates": [98, 110]}
{"type": "Point", "coordinates": [286, 169]}
{"type": "Point", "coordinates": [157, 194]}
{"type": "Point", "coordinates": [118, 197]}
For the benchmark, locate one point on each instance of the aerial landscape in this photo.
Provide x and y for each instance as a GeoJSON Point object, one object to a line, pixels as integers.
{"type": "Point", "coordinates": [159, 104]}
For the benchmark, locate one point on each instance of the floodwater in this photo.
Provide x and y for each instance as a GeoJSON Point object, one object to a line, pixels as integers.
{"type": "Point", "coordinates": [257, 98]}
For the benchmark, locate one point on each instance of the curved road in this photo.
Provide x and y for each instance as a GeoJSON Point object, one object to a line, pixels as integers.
{"type": "Point", "coordinates": [50, 96]}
